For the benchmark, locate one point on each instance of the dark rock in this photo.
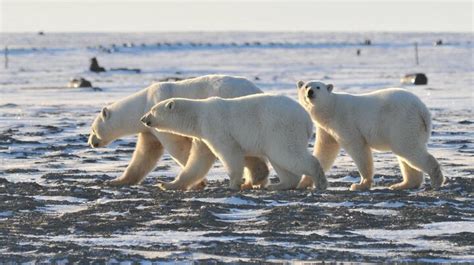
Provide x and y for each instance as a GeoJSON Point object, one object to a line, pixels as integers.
{"type": "Point", "coordinates": [415, 79]}
{"type": "Point", "coordinates": [466, 122]}
{"type": "Point", "coordinates": [79, 82]}
{"type": "Point", "coordinates": [172, 79]}
{"type": "Point", "coordinates": [136, 70]}
{"type": "Point", "coordinates": [94, 66]}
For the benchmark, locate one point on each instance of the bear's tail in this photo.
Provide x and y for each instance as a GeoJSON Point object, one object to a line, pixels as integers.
{"type": "Point", "coordinates": [426, 119]}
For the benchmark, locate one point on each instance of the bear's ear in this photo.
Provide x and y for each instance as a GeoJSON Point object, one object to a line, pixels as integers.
{"type": "Point", "coordinates": [170, 105]}
{"type": "Point", "coordinates": [300, 84]}
{"type": "Point", "coordinates": [105, 113]}
{"type": "Point", "coordinates": [330, 87]}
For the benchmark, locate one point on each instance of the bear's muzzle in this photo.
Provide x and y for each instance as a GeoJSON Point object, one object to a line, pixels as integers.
{"type": "Point", "coordinates": [146, 120]}
{"type": "Point", "coordinates": [310, 93]}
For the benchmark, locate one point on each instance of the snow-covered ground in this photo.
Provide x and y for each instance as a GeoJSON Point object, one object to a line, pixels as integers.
{"type": "Point", "coordinates": [53, 201]}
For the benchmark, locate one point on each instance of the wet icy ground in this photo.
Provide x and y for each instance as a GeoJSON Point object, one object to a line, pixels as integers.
{"type": "Point", "coordinates": [55, 207]}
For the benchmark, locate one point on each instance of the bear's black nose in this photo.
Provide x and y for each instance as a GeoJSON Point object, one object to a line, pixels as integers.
{"type": "Point", "coordinates": [310, 93]}
{"type": "Point", "coordinates": [145, 121]}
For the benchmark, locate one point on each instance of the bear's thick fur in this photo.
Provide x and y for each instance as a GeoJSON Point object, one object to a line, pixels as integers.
{"type": "Point", "coordinates": [122, 118]}
{"type": "Point", "coordinates": [267, 126]}
{"type": "Point", "coordinates": [390, 119]}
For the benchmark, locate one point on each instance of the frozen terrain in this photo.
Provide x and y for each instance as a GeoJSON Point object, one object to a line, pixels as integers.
{"type": "Point", "coordinates": [54, 205]}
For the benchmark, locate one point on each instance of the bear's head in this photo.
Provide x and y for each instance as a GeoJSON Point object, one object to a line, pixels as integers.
{"type": "Point", "coordinates": [313, 94]}
{"type": "Point", "coordinates": [102, 130]}
{"type": "Point", "coordinates": [162, 115]}
{"type": "Point", "coordinates": [176, 115]}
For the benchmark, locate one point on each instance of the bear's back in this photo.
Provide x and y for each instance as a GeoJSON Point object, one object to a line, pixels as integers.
{"type": "Point", "coordinates": [269, 111]}
{"type": "Point", "coordinates": [204, 87]}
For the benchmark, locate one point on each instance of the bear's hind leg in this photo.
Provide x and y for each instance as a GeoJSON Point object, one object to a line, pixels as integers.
{"type": "Point", "coordinates": [255, 173]}
{"type": "Point", "coordinates": [326, 149]}
{"type": "Point", "coordinates": [424, 161]}
{"type": "Point", "coordinates": [303, 164]}
{"type": "Point", "coordinates": [305, 182]}
{"type": "Point", "coordinates": [316, 172]}
{"type": "Point", "coordinates": [192, 176]}
{"type": "Point", "coordinates": [362, 156]}
{"type": "Point", "coordinates": [287, 179]}
{"type": "Point", "coordinates": [412, 178]}
{"type": "Point", "coordinates": [147, 152]}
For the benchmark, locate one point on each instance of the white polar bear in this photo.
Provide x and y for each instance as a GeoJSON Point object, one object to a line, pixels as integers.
{"type": "Point", "coordinates": [267, 126]}
{"type": "Point", "coordinates": [388, 119]}
{"type": "Point", "coordinates": [123, 118]}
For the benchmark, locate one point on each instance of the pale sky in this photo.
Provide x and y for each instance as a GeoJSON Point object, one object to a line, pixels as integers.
{"type": "Point", "coordinates": [234, 15]}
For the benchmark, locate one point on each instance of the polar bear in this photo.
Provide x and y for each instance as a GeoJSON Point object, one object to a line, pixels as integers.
{"type": "Point", "coordinates": [123, 118]}
{"type": "Point", "coordinates": [267, 126]}
{"type": "Point", "coordinates": [390, 119]}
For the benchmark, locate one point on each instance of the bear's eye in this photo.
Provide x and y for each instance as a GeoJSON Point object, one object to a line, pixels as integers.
{"type": "Point", "coordinates": [317, 87]}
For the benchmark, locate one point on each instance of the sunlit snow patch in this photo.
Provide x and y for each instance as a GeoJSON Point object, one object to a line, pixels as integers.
{"type": "Point", "coordinates": [241, 215]}
{"type": "Point", "coordinates": [230, 200]}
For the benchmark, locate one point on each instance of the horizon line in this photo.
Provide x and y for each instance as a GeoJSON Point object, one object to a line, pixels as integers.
{"type": "Point", "coordinates": [235, 31]}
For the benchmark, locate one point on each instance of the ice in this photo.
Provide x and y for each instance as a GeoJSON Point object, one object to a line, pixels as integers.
{"type": "Point", "coordinates": [390, 204]}
{"type": "Point", "coordinates": [60, 198]}
{"type": "Point", "coordinates": [106, 200]}
{"type": "Point", "coordinates": [62, 208]}
{"type": "Point", "coordinates": [382, 212]}
{"type": "Point", "coordinates": [6, 214]}
{"type": "Point", "coordinates": [350, 179]}
{"type": "Point", "coordinates": [240, 215]}
{"type": "Point", "coordinates": [414, 236]}
{"type": "Point", "coordinates": [231, 201]}
{"type": "Point", "coordinates": [143, 238]}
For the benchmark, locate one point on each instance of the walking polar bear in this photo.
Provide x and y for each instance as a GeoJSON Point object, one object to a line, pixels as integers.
{"type": "Point", "coordinates": [123, 118]}
{"type": "Point", "coordinates": [389, 119]}
{"type": "Point", "coordinates": [267, 126]}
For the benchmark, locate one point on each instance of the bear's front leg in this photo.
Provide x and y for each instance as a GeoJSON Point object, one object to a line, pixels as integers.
{"type": "Point", "coordinates": [199, 163]}
{"type": "Point", "coordinates": [326, 149]}
{"type": "Point", "coordinates": [362, 156]}
{"type": "Point", "coordinates": [147, 152]}
{"type": "Point", "coordinates": [232, 157]}
{"type": "Point", "coordinates": [179, 147]}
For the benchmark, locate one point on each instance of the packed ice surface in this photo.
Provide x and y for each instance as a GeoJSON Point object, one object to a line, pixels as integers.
{"type": "Point", "coordinates": [54, 204]}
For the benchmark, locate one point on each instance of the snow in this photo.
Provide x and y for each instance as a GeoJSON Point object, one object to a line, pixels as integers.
{"type": "Point", "coordinates": [390, 204]}
{"type": "Point", "coordinates": [414, 236]}
{"type": "Point", "coordinates": [240, 215]}
{"type": "Point", "coordinates": [59, 198]}
{"type": "Point", "coordinates": [230, 200]}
